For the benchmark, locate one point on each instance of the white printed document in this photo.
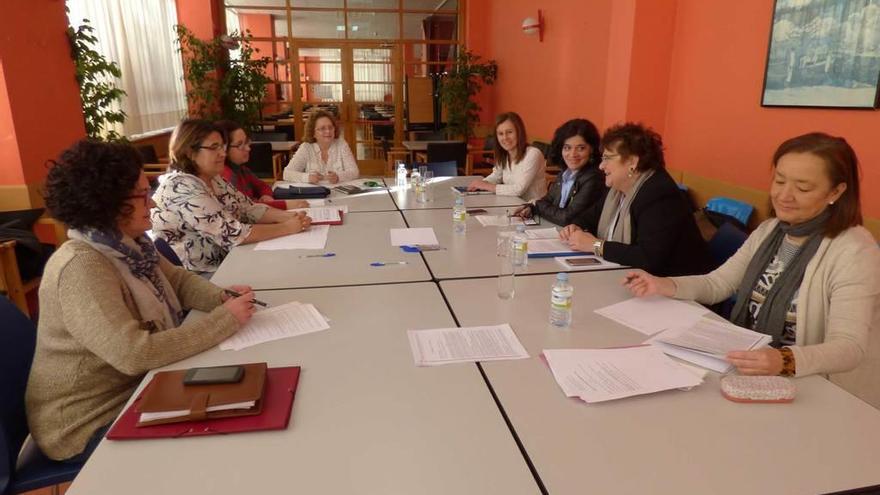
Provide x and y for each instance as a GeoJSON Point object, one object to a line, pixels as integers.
{"type": "Point", "coordinates": [423, 236]}
{"type": "Point", "coordinates": [545, 233]}
{"type": "Point", "coordinates": [493, 220]}
{"type": "Point", "coordinates": [465, 345]}
{"type": "Point", "coordinates": [278, 322]}
{"type": "Point", "coordinates": [548, 248]}
{"type": "Point", "coordinates": [321, 213]}
{"type": "Point", "coordinates": [706, 341]}
{"type": "Point", "coordinates": [597, 375]}
{"type": "Point", "coordinates": [653, 314]}
{"type": "Point", "coordinates": [315, 237]}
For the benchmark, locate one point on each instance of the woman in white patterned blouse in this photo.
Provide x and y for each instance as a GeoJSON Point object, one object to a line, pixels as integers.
{"type": "Point", "coordinates": [199, 214]}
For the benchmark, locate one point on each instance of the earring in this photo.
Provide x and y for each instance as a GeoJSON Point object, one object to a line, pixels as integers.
{"type": "Point", "coordinates": [630, 173]}
{"type": "Point", "coordinates": [830, 203]}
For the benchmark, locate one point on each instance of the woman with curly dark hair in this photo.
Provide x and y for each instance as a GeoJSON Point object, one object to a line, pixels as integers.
{"type": "Point", "coordinates": [200, 215]}
{"type": "Point", "coordinates": [581, 184]}
{"type": "Point", "coordinates": [644, 221]}
{"type": "Point", "coordinates": [110, 307]}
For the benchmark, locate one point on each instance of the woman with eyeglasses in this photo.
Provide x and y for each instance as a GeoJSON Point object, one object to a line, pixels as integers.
{"type": "Point", "coordinates": [519, 168]}
{"type": "Point", "coordinates": [237, 173]}
{"type": "Point", "coordinates": [809, 277]}
{"type": "Point", "coordinates": [324, 156]}
{"type": "Point", "coordinates": [199, 214]}
{"type": "Point", "coordinates": [581, 184]}
{"type": "Point", "coordinates": [643, 221]}
{"type": "Point", "coordinates": [111, 308]}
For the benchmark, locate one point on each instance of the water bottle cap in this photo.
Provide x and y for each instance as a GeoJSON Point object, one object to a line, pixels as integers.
{"type": "Point", "coordinates": [562, 277]}
{"type": "Point", "coordinates": [520, 228]}
{"type": "Point", "coordinates": [459, 200]}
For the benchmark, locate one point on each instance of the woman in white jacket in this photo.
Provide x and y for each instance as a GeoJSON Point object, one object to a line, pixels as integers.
{"type": "Point", "coordinates": [519, 168]}
{"type": "Point", "coordinates": [323, 156]}
{"type": "Point", "coordinates": [810, 277]}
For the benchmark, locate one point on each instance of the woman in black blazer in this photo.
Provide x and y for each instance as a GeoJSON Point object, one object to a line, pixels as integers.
{"type": "Point", "coordinates": [643, 221]}
{"type": "Point", "coordinates": [581, 184]}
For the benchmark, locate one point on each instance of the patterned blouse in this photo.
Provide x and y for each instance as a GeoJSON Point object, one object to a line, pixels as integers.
{"type": "Point", "coordinates": [787, 251]}
{"type": "Point", "coordinates": [199, 224]}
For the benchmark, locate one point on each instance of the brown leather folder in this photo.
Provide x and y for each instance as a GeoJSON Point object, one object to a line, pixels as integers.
{"type": "Point", "coordinates": [166, 392]}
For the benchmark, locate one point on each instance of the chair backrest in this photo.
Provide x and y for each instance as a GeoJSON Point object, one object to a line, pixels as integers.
{"type": "Point", "coordinates": [269, 136]}
{"type": "Point", "coordinates": [165, 250]}
{"type": "Point", "coordinates": [442, 169]}
{"type": "Point", "coordinates": [725, 243]}
{"type": "Point", "coordinates": [444, 152]}
{"type": "Point", "coordinates": [260, 161]}
{"type": "Point", "coordinates": [285, 129]}
{"type": "Point", "coordinates": [18, 340]}
{"type": "Point", "coordinates": [148, 153]}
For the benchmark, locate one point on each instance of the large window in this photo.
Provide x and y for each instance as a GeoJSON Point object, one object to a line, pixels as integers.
{"type": "Point", "coordinates": [139, 36]}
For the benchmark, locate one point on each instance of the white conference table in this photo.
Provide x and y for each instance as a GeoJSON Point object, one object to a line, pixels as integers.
{"type": "Point", "coordinates": [672, 442]}
{"type": "Point", "coordinates": [474, 253]}
{"type": "Point", "coordinates": [444, 196]}
{"type": "Point", "coordinates": [365, 419]}
{"type": "Point", "coordinates": [363, 238]}
{"type": "Point", "coordinates": [375, 200]}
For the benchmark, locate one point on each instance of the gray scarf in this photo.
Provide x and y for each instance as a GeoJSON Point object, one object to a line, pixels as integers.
{"type": "Point", "coordinates": [617, 206]}
{"type": "Point", "coordinates": [771, 317]}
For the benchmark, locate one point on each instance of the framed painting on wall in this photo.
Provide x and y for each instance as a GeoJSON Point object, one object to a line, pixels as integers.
{"type": "Point", "coordinates": [823, 53]}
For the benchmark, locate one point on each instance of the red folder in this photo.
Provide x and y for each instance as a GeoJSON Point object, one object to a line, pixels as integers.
{"type": "Point", "coordinates": [338, 222]}
{"type": "Point", "coordinates": [277, 404]}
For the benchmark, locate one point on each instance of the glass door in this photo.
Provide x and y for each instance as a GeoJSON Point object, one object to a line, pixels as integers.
{"type": "Point", "coordinates": [356, 83]}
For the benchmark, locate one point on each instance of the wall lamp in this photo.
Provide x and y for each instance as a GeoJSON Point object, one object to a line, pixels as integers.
{"type": "Point", "coordinates": [530, 26]}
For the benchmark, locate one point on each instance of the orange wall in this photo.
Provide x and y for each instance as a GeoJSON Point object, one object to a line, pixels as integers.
{"type": "Point", "coordinates": [715, 125]}
{"type": "Point", "coordinates": [261, 26]}
{"type": "Point", "coordinates": [563, 77]}
{"type": "Point", "coordinates": [40, 111]}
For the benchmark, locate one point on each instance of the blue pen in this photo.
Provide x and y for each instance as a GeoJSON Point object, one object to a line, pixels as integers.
{"type": "Point", "coordinates": [386, 263]}
{"type": "Point", "coordinates": [322, 255]}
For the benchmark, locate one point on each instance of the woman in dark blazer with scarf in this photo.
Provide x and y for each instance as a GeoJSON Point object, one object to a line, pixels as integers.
{"type": "Point", "coordinates": [581, 184]}
{"type": "Point", "coordinates": [643, 221]}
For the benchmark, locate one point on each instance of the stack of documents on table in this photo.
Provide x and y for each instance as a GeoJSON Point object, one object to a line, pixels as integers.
{"type": "Point", "coordinates": [313, 203]}
{"type": "Point", "coordinates": [706, 341]}
{"type": "Point", "coordinates": [465, 345]}
{"type": "Point", "coordinates": [596, 375]}
{"type": "Point", "coordinates": [493, 220]}
{"type": "Point", "coordinates": [279, 322]}
{"type": "Point", "coordinates": [422, 236]}
{"type": "Point", "coordinates": [323, 215]}
{"type": "Point", "coordinates": [545, 233]}
{"type": "Point", "coordinates": [650, 315]}
{"type": "Point", "coordinates": [550, 248]}
{"type": "Point", "coordinates": [314, 237]}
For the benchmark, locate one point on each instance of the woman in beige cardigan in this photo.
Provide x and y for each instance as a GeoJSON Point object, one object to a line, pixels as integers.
{"type": "Point", "coordinates": [810, 277]}
{"type": "Point", "coordinates": [110, 306]}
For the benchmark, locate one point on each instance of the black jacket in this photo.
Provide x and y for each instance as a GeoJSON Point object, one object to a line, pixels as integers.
{"type": "Point", "coordinates": [665, 238]}
{"type": "Point", "coordinates": [587, 190]}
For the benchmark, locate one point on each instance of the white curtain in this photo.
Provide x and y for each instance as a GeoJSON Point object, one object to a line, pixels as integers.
{"type": "Point", "coordinates": [139, 36]}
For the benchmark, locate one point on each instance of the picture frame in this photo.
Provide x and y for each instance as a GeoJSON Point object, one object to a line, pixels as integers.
{"type": "Point", "coordinates": [823, 53]}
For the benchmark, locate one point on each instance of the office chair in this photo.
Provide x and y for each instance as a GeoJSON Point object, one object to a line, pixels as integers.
{"type": "Point", "coordinates": [269, 136]}
{"type": "Point", "coordinates": [444, 152]}
{"type": "Point", "coordinates": [260, 161]}
{"type": "Point", "coordinates": [442, 169]}
{"type": "Point", "coordinates": [35, 470]}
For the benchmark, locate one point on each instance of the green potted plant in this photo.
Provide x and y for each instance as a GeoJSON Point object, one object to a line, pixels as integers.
{"type": "Point", "coordinates": [97, 89]}
{"type": "Point", "coordinates": [219, 87]}
{"type": "Point", "coordinates": [464, 79]}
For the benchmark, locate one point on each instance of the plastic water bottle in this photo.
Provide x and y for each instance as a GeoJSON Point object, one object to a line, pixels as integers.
{"type": "Point", "coordinates": [414, 177]}
{"type": "Point", "coordinates": [401, 174]}
{"type": "Point", "coordinates": [459, 216]}
{"type": "Point", "coordinates": [560, 301]}
{"type": "Point", "coordinates": [520, 246]}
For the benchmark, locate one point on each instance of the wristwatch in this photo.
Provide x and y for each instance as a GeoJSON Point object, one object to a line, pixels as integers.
{"type": "Point", "coordinates": [597, 247]}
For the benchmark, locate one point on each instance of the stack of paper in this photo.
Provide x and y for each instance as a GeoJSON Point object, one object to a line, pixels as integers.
{"type": "Point", "coordinates": [596, 375]}
{"type": "Point", "coordinates": [424, 236]}
{"type": "Point", "coordinates": [493, 220]}
{"type": "Point", "coordinates": [650, 315]}
{"type": "Point", "coordinates": [549, 248]}
{"type": "Point", "coordinates": [464, 345]}
{"type": "Point", "coordinates": [279, 322]}
{"type": "Point", "coordinates": [547, 233]}
{"type": "Point", "coordinates": [314, 237]}
{"type": "Point", "coordinates": [706, 341]}
{"type": "Point", "coordinates": [322, 214]}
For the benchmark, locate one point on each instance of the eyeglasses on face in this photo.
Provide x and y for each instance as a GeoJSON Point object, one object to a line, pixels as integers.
{"type": "Point", "coordinates": [142, 195]}
{"type": "Point", "coordinates": [214, 148]}
{"type": "Point", "coordinates": [609, 156]}
{"type": "Point", "coordinates": [241, 145]}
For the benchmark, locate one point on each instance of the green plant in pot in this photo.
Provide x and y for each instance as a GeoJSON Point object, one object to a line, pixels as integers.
{"type": "Point", "coordinates": [464, 79]}
{"type": "Point", "coordinates": [219, 87]}
{"type": "Point", "coordinates": [96, 77]}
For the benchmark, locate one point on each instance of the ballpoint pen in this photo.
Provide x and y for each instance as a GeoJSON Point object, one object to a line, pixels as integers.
{"type": "Point", "coordinates": [386, 263]}
{"type": "Point", "coordinates": [236, 294]}
{"type": "Point", "coordinates": [322, 255]}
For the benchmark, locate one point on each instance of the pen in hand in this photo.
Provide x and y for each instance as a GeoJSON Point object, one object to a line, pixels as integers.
{"type": "Point", "coordinates": [236, 294]}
